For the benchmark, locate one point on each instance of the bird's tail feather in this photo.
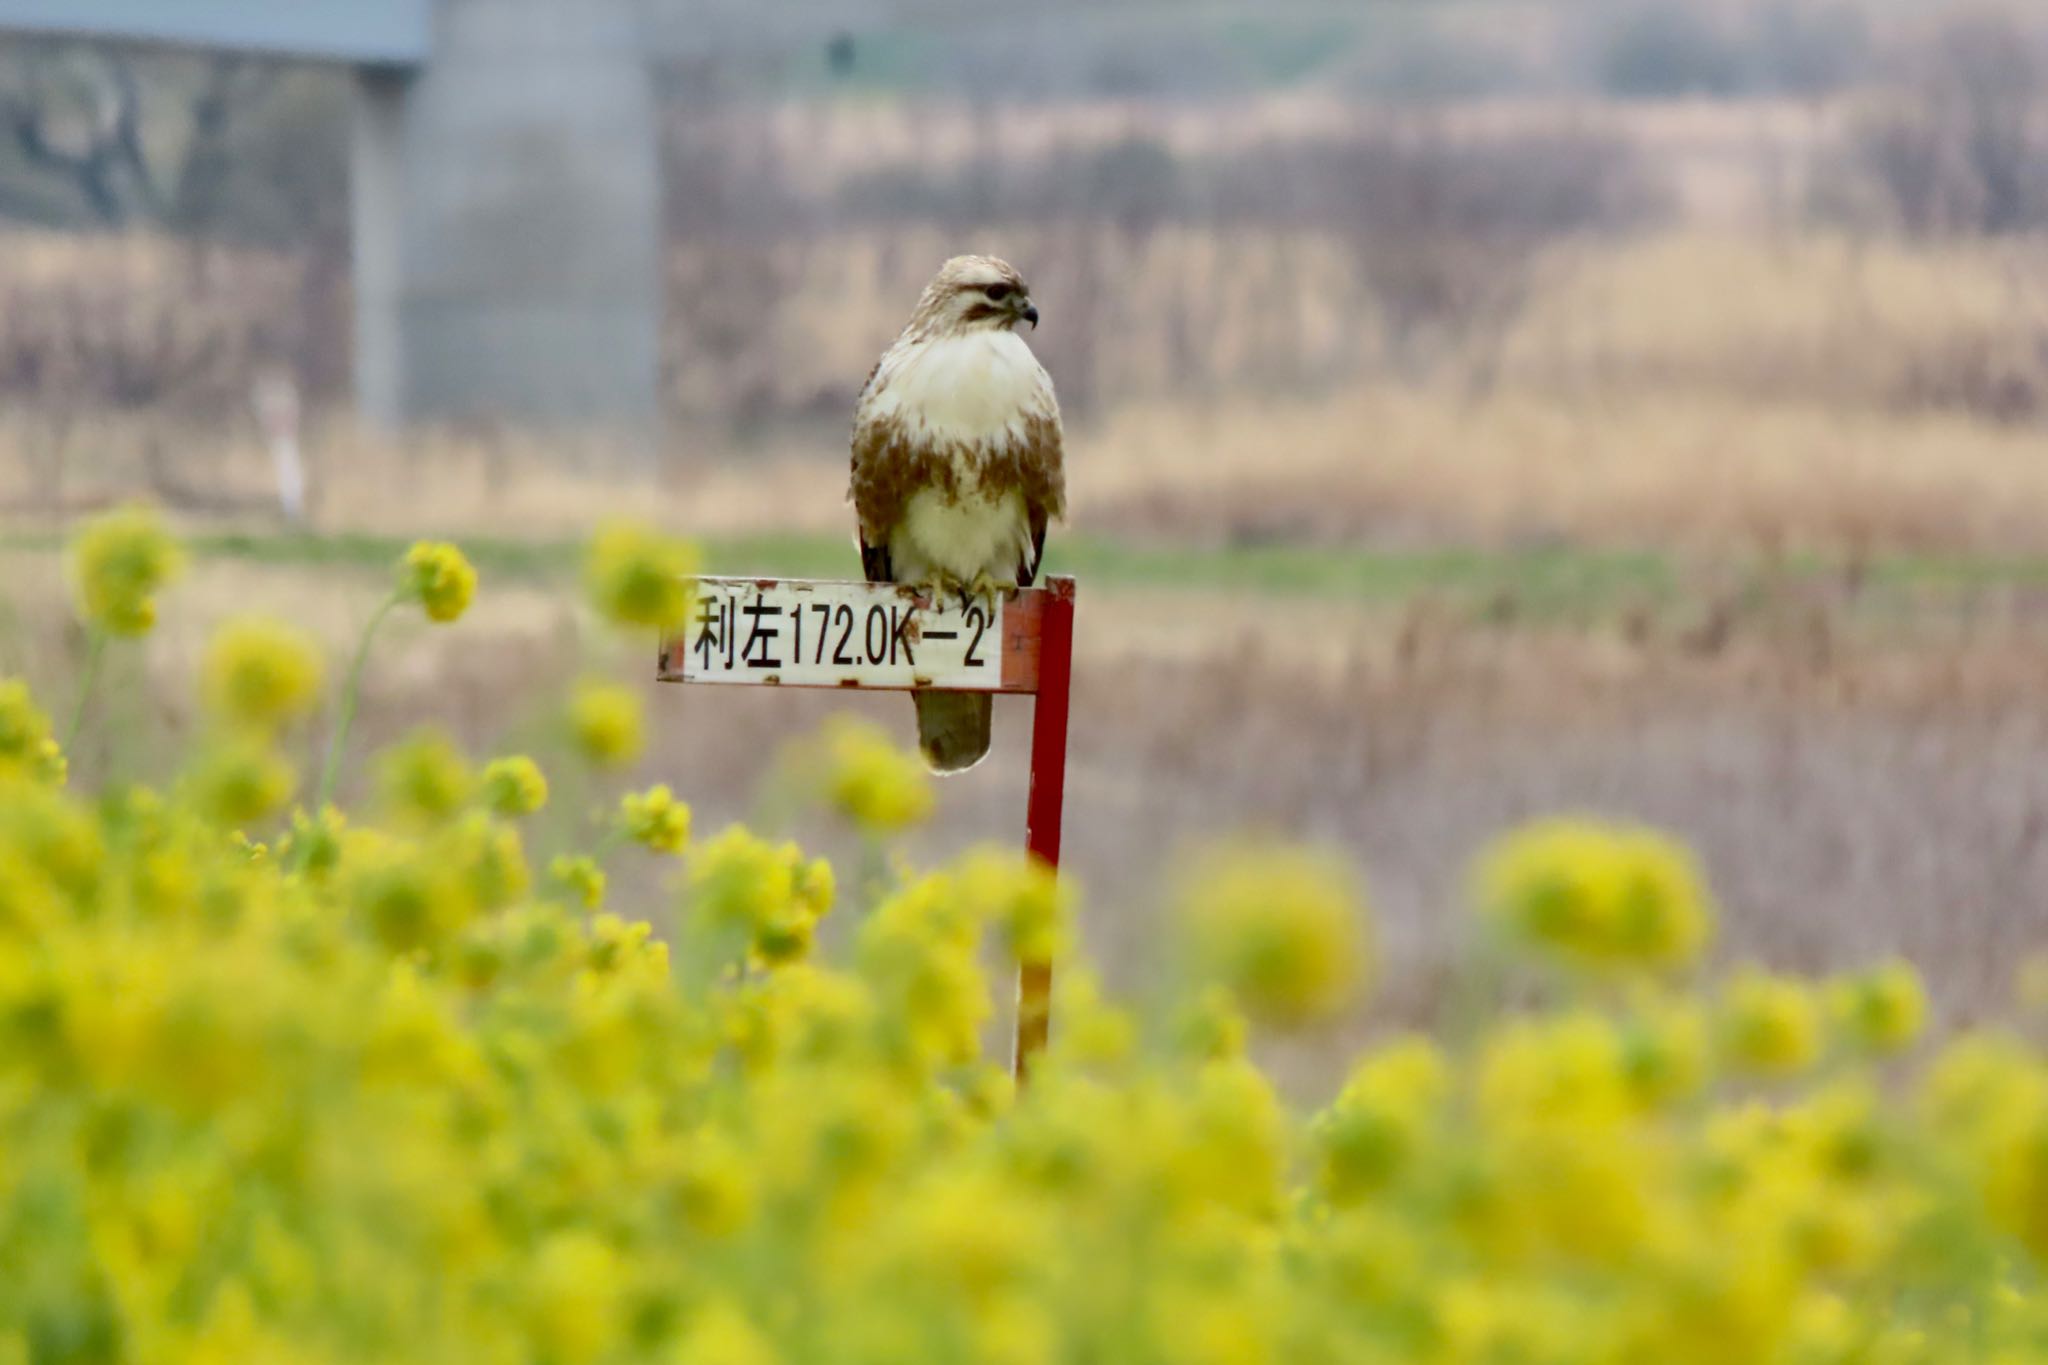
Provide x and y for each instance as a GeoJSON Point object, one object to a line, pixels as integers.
{"type": "Point", "coordinates": [953, 728]}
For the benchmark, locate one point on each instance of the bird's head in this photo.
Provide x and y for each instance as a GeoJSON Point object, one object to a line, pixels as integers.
{"type": "Point", "coordinates": [973, 293]}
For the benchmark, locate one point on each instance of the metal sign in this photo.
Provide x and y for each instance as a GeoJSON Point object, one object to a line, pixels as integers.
{"type": "Point", "coordinates": [797, 633]}
{"type": "Point", "coordinates": [780, 632]}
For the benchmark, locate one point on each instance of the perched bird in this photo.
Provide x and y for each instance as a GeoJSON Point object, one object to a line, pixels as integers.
{"type": "Point", "coordinates": [957, 465]}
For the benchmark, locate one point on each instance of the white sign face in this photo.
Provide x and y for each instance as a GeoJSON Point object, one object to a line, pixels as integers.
{"type": "Point", "coordinates": [820, 634]}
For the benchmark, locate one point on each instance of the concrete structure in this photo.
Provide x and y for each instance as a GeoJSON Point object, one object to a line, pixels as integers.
{"type": "Point", "coordinates": [507, 191]}
{"type": "Point", "coordinates": [508, 220]}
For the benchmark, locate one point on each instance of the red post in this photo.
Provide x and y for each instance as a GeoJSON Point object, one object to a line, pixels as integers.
{"type": "Point", "coordinates": [1046, 801]}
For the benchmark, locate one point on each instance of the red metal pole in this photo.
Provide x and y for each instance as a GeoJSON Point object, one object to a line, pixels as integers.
{"type": "Point", "coordinates": [1047, 801]}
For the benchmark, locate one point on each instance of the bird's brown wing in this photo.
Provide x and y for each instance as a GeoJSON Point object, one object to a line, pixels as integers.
{"type": "Point", "coordinates": [1041, 475]}
{"type": "Point", "coordinates": [888, 468]}
{"type": "Point", "coordinates": [874, 561]}
{"type": "Point", "coordinates": [877, 501]}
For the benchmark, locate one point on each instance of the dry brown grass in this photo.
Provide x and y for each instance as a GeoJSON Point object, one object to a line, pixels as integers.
{"type": "Point", "coordinates": [1712, 390]}
{"type": "Point", "coordinates": [1701, 471]}
{"type": "Point", "coordinates": [1818, 319]}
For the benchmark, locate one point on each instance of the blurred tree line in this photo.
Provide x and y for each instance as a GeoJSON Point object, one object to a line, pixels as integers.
{"type": "Point", "coordinates": [1403, 235]}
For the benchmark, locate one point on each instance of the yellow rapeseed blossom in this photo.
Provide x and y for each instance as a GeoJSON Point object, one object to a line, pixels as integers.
{"type": "Point", "coordinates": [721, 1334]}
{"type": "Point", "coordinates": [50, 765]}
{"type": "Point", "coordinates": [767, 895]}
{"type": "Point", "coordinates": [439, 577]}
{"type": "Point", "coordinates": [26, 747]}
{"type": "Point", "coordinates": [1020, 897]}
{"type": "Point", "coordinates": [574, 1296]}
{"type": "Point", "coordinates": [514, 786]}
{"type": "Point", "coordinates": [1211, 1026]}
{"type": "Point", "coordinates": [637, 577]}
{"type": "Point", "coordinates": [119, 562]}
{"type": "Point", "coordinates": [655, 819]}
{"type": "Point", "coordinates": [424, 776]}
{"type": "Point", "coordinates": [605, 722]}
{"type": "Point", "coordinates": [581, 877]}
{"type": "Point", "coordinates": [409, 896]}
{"type": "Point", "coordinates": [1381, 1121]}
{"type": "Point", "coordinates": [260, 672]}
{"type": "Point", "coordinates": [880, 787]}
{"type": "Point", "coordinates": [241, 781]}
{"type": "Point", "coordinates": [1882, 1010]}
{"type": "Point", "coordinates": [1597, 895]}
{"type": "Point", "coordinates": [1283, 928]}
{"type": "Point", "coordinates": [364, 1088]}
{"type": "Point", "coordinates": [1769, 1025]}
{"type": "Point", "coordinates": [314, 842]}
{"type": "Point", "coordinates": [1667, 1051]}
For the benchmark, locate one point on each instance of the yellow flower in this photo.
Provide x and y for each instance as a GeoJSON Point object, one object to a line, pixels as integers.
{"type": "Point", "coordinates": [314, 844]}
{"type": "Point", "coordinates": [605, 721]}
{"type": "Point", "coordinates": [581, 876]}
{"type": "Point", "coordinates": [409, 897]}
{"type": "Point", "coordinates": [1283, 928]}
{"type": "Point", "coordinates": [970, 1231]}
{"type": "Point", "coordinates": [881, 788]}
{"type": "Point", "coordinates": [1568, 1069]}
{"type": "Point", "coordinates": [26, 749]}
{"type": "Point", "coordinates": [575, 1296]}
{"type": "Point", "coordinates": [424, 776]}
{"type": "Point", "coordinates": [1597, 895]}
{"type": "Point", "coordinates": [918, 952]}
{"type": "Point", "coordinates": [1769, 1025]}
{"type": "Point", "coordinates": [1022, 897]}
{"type": "Point", "coordinates": [51, 767]}
{"type": "Point", "coordinates": [514, 786]}
{"type": "Point", "coordinates": [655, 819]}
{"type": "Point", "coordinates": [437, 576]}
{"type": "Point", "coordinates": [637, 576]}
{"type": "Point", "coordinates": [737, 878]}
{"type": "Point", "coordinates": [1883, 1010]}
{"type": "Point", "coordinates": [1665, 1051]}
{"type": "Point", "coordinates": [241, 781]}
{"type": "Point", "coordinates": [722, 1334]}
{"type": "Point", "coordinates": [492, 857]}
{"type": "Point", "coordinates": [118, 563]}
{"type": "Point", "coordinates": [1210, 1027]}
{"type": "Point", "coordinates": [370, 1094]}
{"type": "Point", "coordinates": [740, 884]}
{"type": "Point", "coordinates": [718, 1186]}
{"type": "Point", "coordinates": [260, 672]}
{"type": "Point", "coordinates": [1381, 1120]}
{"type": "Point", "coordinates": [1233, 1141]}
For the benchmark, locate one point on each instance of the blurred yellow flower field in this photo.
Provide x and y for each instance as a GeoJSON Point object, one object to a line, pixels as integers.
{"type": "Point", "coordinates": [289, 1085]}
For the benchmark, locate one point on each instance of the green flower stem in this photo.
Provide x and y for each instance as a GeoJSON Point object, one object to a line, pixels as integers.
{"type": "Point", "coordinates": [95, 651]}
{"type": "Point", "coordinates": [350, 694]}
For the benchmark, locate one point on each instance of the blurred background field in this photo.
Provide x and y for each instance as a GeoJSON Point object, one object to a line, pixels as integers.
{"type": "Point", "coordinates": [1476, 409]}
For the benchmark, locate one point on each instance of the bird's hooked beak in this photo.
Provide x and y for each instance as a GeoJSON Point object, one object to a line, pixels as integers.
{"type": "Point", "coordinates": [1029, 313]}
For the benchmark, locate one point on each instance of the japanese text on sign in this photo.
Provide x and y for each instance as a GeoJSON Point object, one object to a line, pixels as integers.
{"type": "Point", "coordinates": [804, 634]}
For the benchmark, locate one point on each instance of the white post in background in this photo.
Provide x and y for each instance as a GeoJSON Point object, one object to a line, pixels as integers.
{"type": "Point", "coordinates": [275, 398]}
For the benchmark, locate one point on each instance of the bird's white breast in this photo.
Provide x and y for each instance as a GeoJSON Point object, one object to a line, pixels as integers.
{"type": "Point", "coordinates": [966, 391]}
{"type": "Point", "coordinates": [961, 537]}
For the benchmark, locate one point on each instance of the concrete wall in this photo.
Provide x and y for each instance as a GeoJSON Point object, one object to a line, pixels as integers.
{"type": "Point", "coordinates": [508, 225]}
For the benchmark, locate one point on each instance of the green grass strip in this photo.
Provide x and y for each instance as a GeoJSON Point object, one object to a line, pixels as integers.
{"type": "Point", "coordinates": [1547, 580]}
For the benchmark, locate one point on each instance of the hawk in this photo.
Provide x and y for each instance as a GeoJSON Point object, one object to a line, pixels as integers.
{"type": "Point", "coordinates": [957, 466]}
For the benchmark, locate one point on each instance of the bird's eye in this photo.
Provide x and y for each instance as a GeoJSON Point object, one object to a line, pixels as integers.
{"type": "Point", "coordinates": [997, 292]}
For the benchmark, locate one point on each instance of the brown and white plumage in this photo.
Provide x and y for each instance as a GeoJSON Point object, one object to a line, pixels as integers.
{"type": "Point", "coordinates": [957, 464]}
